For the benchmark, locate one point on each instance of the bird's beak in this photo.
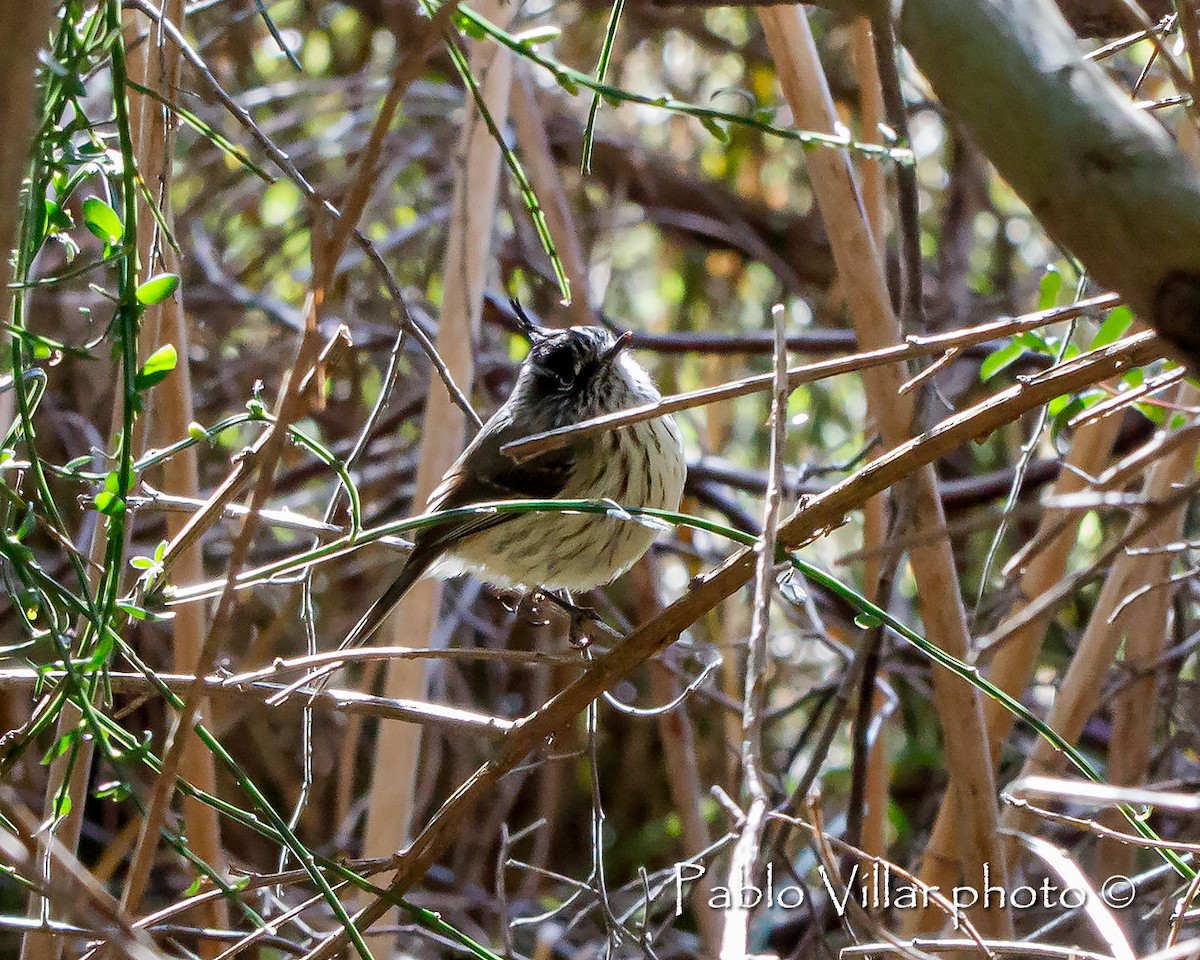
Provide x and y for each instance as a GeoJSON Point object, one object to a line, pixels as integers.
{"type": "Point", "coordinates": [611, 354]}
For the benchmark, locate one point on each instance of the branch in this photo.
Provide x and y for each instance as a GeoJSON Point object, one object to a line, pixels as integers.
{"type": "Point", "coordinates": [820, 513]}
{"type": "Point", "coordinates": [914, 346]}
{"type": "Point", "coordinates": [1104, 179]}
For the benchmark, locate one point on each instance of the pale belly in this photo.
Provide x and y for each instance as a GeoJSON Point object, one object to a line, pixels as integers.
{"type": "Point", "coordinates": [641, 466]}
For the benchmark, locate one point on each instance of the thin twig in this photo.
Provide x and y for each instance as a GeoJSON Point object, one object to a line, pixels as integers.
{"type": "Point", "coordinates": [914, 346]}
{"type": "Point", "coordinates": [742, 863]}
{"type": "Point", "coordinates": [822, 512]}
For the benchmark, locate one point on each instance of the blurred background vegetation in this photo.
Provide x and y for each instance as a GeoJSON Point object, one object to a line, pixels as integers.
{"type": "Point", "coordinates": [689, 228]}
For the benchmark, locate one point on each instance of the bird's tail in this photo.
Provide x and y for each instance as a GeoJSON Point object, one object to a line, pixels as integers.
{"type": "Point", "coordinates": [417, 563]}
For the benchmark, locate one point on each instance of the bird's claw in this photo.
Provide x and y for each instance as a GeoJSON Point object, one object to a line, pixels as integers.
{"type": "Point", "coordinates": [579, 616]}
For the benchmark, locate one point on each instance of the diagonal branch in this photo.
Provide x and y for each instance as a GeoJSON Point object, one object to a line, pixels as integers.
{"type": "Point", "coordinates": [823, 512]}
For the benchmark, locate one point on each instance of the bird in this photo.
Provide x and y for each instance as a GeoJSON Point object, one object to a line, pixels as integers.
{"type": "Point", "coordinates": [569, 375]}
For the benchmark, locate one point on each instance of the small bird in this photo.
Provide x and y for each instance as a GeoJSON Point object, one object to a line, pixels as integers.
{"type": "Point", "coordinates": [568, 376]}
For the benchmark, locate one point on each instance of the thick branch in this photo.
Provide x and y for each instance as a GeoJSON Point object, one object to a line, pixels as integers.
{"type": "Point", "coordinates": [1105, 180]}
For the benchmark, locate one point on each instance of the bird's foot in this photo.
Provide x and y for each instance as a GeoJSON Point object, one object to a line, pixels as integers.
{"type": "Point", "coordinates": [580, 617]}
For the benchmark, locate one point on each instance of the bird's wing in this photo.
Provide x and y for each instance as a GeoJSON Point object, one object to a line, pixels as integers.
{"type": "Point", "coordinates": [480, 475]}
{"type": "Point", "coordinates": [483, 474]}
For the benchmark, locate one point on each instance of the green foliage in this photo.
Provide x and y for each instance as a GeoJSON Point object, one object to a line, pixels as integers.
{"type": "Point", "coordinates": [103, 221]}
{"type": "Point", "coordinates": [160, 363]}
{"type": "Point", "coordinates": [155, 290]}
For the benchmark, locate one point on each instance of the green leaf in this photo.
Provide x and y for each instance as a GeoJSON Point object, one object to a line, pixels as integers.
{"type": "Point", "coordinates": [141, 563]}
{"type": "Point", "coordinates": [997, 360]}
{"type": "Point", "coordinates": [1032, 340]}
{"type": "Point", "coordinates": [567, 84]}
{"type": "Point", "coordinates": [1113, 327]}
{"type": "Point", "coordinates": [110, 501]}
{"type": "Point", "coordinates": [157, 289]}
{"type": "Point", "coordinates": [468, 26]}
{"type": "Point", "coordinates": [160, 363]}
{"type": "Point", "coordinates": [131, 610]}
{"type": "Point", "coordinates": [1134, 378]}
{"type": "Point", "coordinates": [1059, 404]}
{"type": "Point", "coordinates": [1063, 417]}
{"type": "Point", "coordinates": [74, 466]}
{"type": "Point", "coordinates": [1152, 412]}
{"type": "Point", "coordinates": [102, 220]}
{"type": "Point", "coordinates": [1049, 287]}
{"type": "Point", "coordinates": [867, 621]}
{"type": "Point", "coordinates": [109, 504]}
{"type": "Point", "coordinates": [117, 790]}
{"type": "Point", "coordinates": [57, 218]}
{"type": "Point", "coordinates": [28, 523]}
{"type": "Point", "coordinates": [714, 128]}
{"type": "Point", "coordinates": [60, 746]}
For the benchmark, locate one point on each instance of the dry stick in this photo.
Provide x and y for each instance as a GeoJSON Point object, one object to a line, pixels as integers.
{"type": "Point", "coordinates": [150, 155]}
{"type": "Point", "coordinates": [300, 382]}
{"type": "Point", "coordinates": [1014, 662]}
{"type": "Point", "coordinates": [547, 184]}
{"type": "Point", "coordinates": [1128, 467]}
{"type": "Point", "coordinates": [284, 519]}
{"type": "Point", "coordinates": [803, 81]}
{"type": "Point", "coordinates": [1186, 84]}
{"type": "Point", "coordinates": [913, 346]}
{"type": "Point", "coordinates": [823, 512]}
{"type": "Point", "coordinates": [293, 664]}
{"type": "Point", "coordinates": [1119, 402]}
{"type": "Point", "coordinates": [78, 892]}
{"type": "Point", "coordinates": [409, 59]}
{"type": "Point", "coordinates": [26, 26]}
{"type": "Point", "coordinates": [284, 162]}
{"type": "Point", "coordinates": [742, 864]}
{"type": "Point", "coordinates": [875, 512]}
{"type": "Point", "coordinates": [912, 285]}
{"type": "Point", "coordinates": [1189, 27]}
{"type": "Point", "coordinates": [468, 247]}
{"type": "Point", "coordinates": [1083, 683]}
{"type": "Point", "coordinates": [350, 702]}
{"type": "Point", "coordinates": [936, 897]}
{"type": "Point", "coordinates": [856, 918]}
{"type": "Point", "coordinates": [165, 322]}
{"type": "Point", "coordinates": [1135, 708]}
{"type": "Point", "coordinates": [245, 462]}
{"type": "Point", "coordinates": [1069, 585]}
{"type": "Point", "coordinates": [412, 51]}
{"type": "Point", "coordinates": [263, 453]}
{"type": "Point", "coordinates": [677, 735]}
{"type": "Point", "coordinates": [955, 945]}
{"type": "Point", "coordinates": [1125, 840]}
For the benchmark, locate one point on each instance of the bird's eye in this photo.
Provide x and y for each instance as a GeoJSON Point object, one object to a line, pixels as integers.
{"type": "Point", "coordinates": [559, 364]}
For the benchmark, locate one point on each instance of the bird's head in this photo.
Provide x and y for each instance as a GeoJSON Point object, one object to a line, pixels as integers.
{"type": "Point", "coordinates": [582, 372]}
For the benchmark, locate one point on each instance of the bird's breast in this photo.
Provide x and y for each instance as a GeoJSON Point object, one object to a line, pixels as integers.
{"type": "Point", "coordinates": [637, 466]}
